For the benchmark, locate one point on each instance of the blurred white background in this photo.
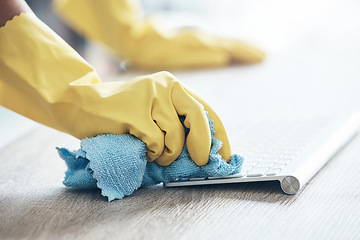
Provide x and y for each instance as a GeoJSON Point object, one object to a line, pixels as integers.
{"type": "Point", "coordinates": [277, 25]}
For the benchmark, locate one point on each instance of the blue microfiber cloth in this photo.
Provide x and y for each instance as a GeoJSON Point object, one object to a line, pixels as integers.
{"type": "Point", "coordinates": [117, 165]}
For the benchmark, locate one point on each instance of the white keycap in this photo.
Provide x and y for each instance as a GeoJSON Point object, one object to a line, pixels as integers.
{"type": "Point", "coordinates": [283, 162]}
{"type": "Point", "coordinates": [257, 172]}
{"type": "Point", "coordinates": [264, 164]}
{"type": "Point", "coordinates": [273, 172]}
{"type": "Point", "coordinates": [270, 159]}
{"type": "Point", "coordinates": [280, 165]}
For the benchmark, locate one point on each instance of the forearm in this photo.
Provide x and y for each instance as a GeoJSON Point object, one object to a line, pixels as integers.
{"type": "Point", "coordinates": [37, 73]}
{"type": "Point", "coordinates": [146, 43]}
{"type": "Point", "coordinates": [43, 78]}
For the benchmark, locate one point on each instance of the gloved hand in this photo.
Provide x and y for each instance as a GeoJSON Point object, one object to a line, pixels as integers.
{"type": "Point", "coordinates": [43, 78]}
{"type": "Point", "coordinates": [116, 24]}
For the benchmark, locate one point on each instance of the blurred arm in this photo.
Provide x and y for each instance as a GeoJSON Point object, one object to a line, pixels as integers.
{"type": "Point", "coordinates": [149, 44]}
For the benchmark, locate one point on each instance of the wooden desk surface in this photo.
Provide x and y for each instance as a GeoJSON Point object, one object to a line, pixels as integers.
{"type": "Point", "coordinates": [317, 76]}
{"type": "Point", "coordinates": [35, 205]}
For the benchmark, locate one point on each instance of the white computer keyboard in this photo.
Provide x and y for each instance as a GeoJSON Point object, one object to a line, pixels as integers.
{"type": "Point", "coordinates": [291, 151]}
{"type": "Point", "coordinates": [270, 146]}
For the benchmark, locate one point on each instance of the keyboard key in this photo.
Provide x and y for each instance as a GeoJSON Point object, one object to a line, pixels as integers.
{"type": "Point", "coordinates": [280, 165]}
{"type": "Point", "coordinates": [249, 164]}
{"type": "Point", "coordinates": [251, 161]}
{"type": "Point", "coordinates": [270, 159]}
{"type": "Point", "coordinates": [246, 168]}
{"type": "Point", "coordinates": [257, 172]}
{"type": "Point", "coordinates": [264, 164]}
{"type": "Point", "coordinates": [273, 172]}
{"type": "Point", "coordinates": [283, 161]}
{"type": "Point", "coordinates": [289, 156]}
{"type": "Point", "coordinates": [273, 154]}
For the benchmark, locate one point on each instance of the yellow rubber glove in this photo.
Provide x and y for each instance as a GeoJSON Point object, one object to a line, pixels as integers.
{"type": "Point", "coordinates": [44, 79]}
{"type": "Point", "coordinates": [116, 24]}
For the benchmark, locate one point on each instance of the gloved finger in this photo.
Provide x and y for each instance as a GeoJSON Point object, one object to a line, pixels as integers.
{"type": "Point", "coordinates": [162, 130]}
{"type": "Point", "coordinates": [185, 59]}
{"type": "Point", "coordinates": [167, 119]}
{"type": "Point", "coordinates": [149, 133]}
{"type": "Point", "coordinates": [198, 140]}
{"type": "Point", "coordinates": [242, 52]}
{"type": "Point", "coordinates": [220, 132]}
{"type": "Point", "coordinates": [184, 50]}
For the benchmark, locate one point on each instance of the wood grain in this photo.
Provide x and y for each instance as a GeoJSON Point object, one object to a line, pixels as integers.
{"type": "Point", "coordinates": [34, 204]}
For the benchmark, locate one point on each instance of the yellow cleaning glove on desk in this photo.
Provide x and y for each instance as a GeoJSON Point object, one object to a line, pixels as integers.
{"type": "Point", "coordinates": [116, 24]}
{"type": "Point", "coordinates": [44, 79]}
